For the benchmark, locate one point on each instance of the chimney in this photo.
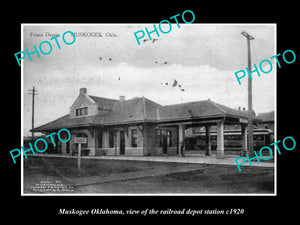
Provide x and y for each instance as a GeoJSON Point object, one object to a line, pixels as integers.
{"type": "Point", "coordinates": [83, 91]}
{"type": "Point", "coordinates": [122, 98]}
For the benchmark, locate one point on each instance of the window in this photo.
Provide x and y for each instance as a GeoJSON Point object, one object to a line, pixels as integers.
{"type": "Point", "coordinates": [169, 138]}
{"type": "Point", "coordinates": [228, 137]}
{"type": "Point", "coordinates": [134, 138]}
{"type": "Point", "coordinates": [111, 139]}
{"type": "Point", "coordinates": [82, 111]}
{"type": "Point", "coordinates": [159, 138]}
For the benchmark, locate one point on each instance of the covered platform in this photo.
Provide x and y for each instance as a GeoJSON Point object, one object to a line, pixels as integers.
{"type": "Point", "coordinates": [204, 114]}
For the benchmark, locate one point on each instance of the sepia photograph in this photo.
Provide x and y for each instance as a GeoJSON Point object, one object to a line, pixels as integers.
{"type": "Point", "coordinates": [180, 113]}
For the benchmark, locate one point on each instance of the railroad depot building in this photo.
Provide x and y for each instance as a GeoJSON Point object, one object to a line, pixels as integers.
{"type": "Point", "coordinates": [141, 127]}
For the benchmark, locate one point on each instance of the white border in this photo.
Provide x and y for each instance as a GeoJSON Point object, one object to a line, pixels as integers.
{"type": "Point", "coordinates": [152, 194]}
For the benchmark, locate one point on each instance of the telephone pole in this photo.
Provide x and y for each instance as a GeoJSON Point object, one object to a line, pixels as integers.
{"type": "Point", "coordinates": [32, 92]}
{"type": "Point", "coordinates": [250, 110]}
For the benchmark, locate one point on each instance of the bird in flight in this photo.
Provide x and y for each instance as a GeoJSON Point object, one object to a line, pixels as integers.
{"type": "Point", "coordinates": [174, 83]}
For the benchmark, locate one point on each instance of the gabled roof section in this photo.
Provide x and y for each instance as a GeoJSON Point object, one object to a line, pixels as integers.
{"type": "Point", "coordinates": [80, 97]}
{"type": "Point", "coordinates": [141, 109]}
{"type": "Point", "coordinates": [104, 103]}
{"type": "Point", "coordinates": [189, 110]}
{"type": "Point", "coordinates": [150, 109]}
{"type": "Point", "coordinates": [232, 112]}
{"type": "Point", "coordinates": [132, 110]}
{"type": "Point", "coordinates": [199, 109]}
{"type": "Point", "coordinates": [65, 122]}
{"type": "Point", "coordinates": [129, 111]}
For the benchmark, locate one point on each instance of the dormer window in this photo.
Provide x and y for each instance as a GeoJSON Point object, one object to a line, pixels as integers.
{"type": "Point", "coordinates": [82, 111]}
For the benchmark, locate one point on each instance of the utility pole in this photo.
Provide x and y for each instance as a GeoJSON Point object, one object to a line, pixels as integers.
{"type": "Point", "coordinates": [33, 93]}
{"type": "Point", "coordinates": [250, 110]}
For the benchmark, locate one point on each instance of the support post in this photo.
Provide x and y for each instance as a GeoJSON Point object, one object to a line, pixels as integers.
{"type": "Point", "coordinates": [220, 138]}
{"type": "Point", "coordinates": [181, 140]}
{"type": "Point", "coordinates": [207, 140]}
{"type": "Point", "coordinates": [79, 156]}
{"type": "Point", "coordinates": [116, 143]}
{"type": "Point", "coordinates": [244, 140]}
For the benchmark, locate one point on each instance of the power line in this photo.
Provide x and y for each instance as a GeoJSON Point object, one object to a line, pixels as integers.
{"type": "Point", "coordinates": [250, 110]}
{"type": "Point", "coordinates": [32, 92]}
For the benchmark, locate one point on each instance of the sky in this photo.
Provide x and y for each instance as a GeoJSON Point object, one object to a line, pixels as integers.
{"type": "Point", "coordinates": [202, 58]}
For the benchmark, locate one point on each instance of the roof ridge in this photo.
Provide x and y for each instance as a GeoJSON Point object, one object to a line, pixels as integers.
{"type": "Point", "coordinates": [185, 103]}
{"type": "Point", "coordinates": [90, 98]}
{"type": "Point", "coordinates": [93, 96]}
{"type": "Point", "coordinates": [144, 108]}
{"type": "Point", "coordinates": [152, 106]}
{"type": "Point", "coordinates": [215, 104]}
{"type": "Point", "coordinates": [152, 102]}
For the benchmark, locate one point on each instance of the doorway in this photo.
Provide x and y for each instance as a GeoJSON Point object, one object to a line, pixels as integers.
{"type": "Point", "coordinates": [122, 142]}
{"type": "Point", "coordinates": [164, 145]}
{"type": "Point", "coordinates": [164, 142]}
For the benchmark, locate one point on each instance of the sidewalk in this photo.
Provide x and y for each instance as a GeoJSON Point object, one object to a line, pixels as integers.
{"type": "Point", "coordinates": [201, 159]}
{"type": "Point", "coordinates": [190, 158]}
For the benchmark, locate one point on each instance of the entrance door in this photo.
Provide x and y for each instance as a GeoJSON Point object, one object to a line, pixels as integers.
{"type": "Point", "coordinates": [122, 142]}
{"type": "Point", "coordinates": [164, 144]}
{"type": "Point", "coordinates": [68, 147]}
